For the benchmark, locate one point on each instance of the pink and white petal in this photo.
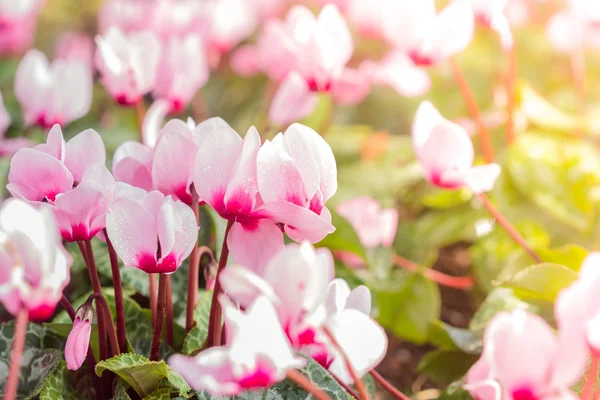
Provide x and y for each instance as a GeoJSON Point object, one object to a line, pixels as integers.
{"type": "Point", "coordinates": [131, 171]}
{"type": "Point", "coordinates": [240, 195]}
{"type": "Point", "coordinates": [32, 84]}
{"type": "Point", "coordinates": [211, 370]}
{"type": "Point", "coordinates": [187, 230]}
{"type": "Point", "coordinates": [360, 299]}
{"type": "Point", "coordinates": [214, 166]}
{"type": "Point", "coordinates": [351, 87]}
{"type": "Point", "coordinates": [334, 36]}
{"type": "Point", "coordinates": [337, 295]}
{"type": "Point", "coordinates": [135, 150]}
{"type": "Point", "coordinates": [500, 24]}
{"type": "Point", "coordinates": [481, 179]}
{"type": "Point", "coordinates": [244, 286]}
{"type": "Point", "coordinates": [304, 224]}
{"type": "Point", "coordinates": [55, 144]}
{"type": "Point", "coordinates": [279, 178]}
{"type": "Point", "coordinates": [388, 225]}
{"type": "Point", "coordinates": [558, 32]}
{"type": "Point", "coordinates": [426, 118]}
{"type": "Point", "coordinates": [361, 338]}
{"type": "Point", "coordinates": [152, 201]}
{"type": "Point", "coordinates": [207, 127]}
{"type": "Point", "coordinates": [74, 98]}
{"type": "Point", "coordinates": [74, 209]}
{"type": "Point", "coordinates": [399, 72]}
{"type": "Point", "coordinates": [293, 101]}
{"type": "Point", "coordinates": [132, 231]}
{"type": "Point", "coordinates": [254, 244]}
{"type": "Point", "coordinates": [245, 61]}
{"type": "Point", "coordinates": [454, 29]}
{"type": "Point", "coordinates": [166, 225]}
{"type": "Point", "coordinates": [153, 120]}
{"type": "Point", "coordinates": [82, 151]}
{"type": "Point", "coordinates": [34, 175]}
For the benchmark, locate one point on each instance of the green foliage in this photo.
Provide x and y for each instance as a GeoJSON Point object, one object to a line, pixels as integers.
{"type": "Point", "coordinates": [344, 238]}
{"type": "Point", "coordinates": [446, 366]}
{"type": "Point", "coordinates": [58, 387]}
{"type": "Point", "coordinates": [541, 281]}
{"type": "Point", "coordinates": [140, 373]}
{"type": "Point", "coordinates": [409, 309]}
{"type": "Point", "coordinates": [197, 335]}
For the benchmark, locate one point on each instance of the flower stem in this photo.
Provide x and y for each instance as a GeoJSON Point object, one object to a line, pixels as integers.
{"type": "Point", "coordinates": [88, 256]}
{"type": "Point", "coordinates": [388, 386]}
{"type": "Point", "coordinates": [160, 316]}
{"type": "Point", "coordinates": [140, 111]}
{"type": "Point", "coordinates": [119, 305]}
{"type": "Point", "coordinates": [358, 383]}
{"type": "Point", "coordinates": [307, 385]}
{"type": "Point", "coordinates": [169, 334]}
{"type": "Point", "coordinates": [344, 385]}
{"type": "Point", "coordinates": [16, 354]}
{"type": "Point", "coordinates": [68, 307]}
{"type": "Point", "coordinates": [512, 232]}
{"type": "Point", "coordinates": [511, 94]}
{"type": "Point", "coordinates": [214, 319]}
{"type": "Point", "coordinates": [590, 378]}
{"type": "Point", "coordinates": [456, 282]}
{"type": "Point", "coordinates": [579, 74]}
{"type": "Point", "coordinates": [193, 273]}
{"type": "Point", "coordinates": [465, 90]}
{"type": "Point", "coordinates": [152, 286]}
{"type": "Point", "coordinates": [110, 328]}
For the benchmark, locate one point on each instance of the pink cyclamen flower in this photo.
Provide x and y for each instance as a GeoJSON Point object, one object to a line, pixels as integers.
{"type": "Point", "coordinates": [368, 16]}
{"type": "Point", "coordinates": [56, 93]}
{"type": "Point", "coordinates": [175, 155]}
{"type": "Point", "coordinates": [297, 174]}
{"type": "Point", "coordinates": [132, 164]}
{"type": "Point", "coordinates": [446, 153]}
{"type": "Point", "coordinates": [75, 46]}
{"type": "Point", "coordinates": [256, 355]}
{"type": "Point", "coordinates": [576, 308]}
{"type": "Point", "coordinates": [34, 265]}
{"type": "Point", "coordinates": [426, 36]}
{"type": "Point", "coordinates": [78, 341]}
{"type": "Point", "coordinates": [153, 233]}
{"type": "Point", "coordinates": [49, 169]}
{"type": "Point", "coordinates": [81, 212]}
{"type": "Point", "coordinates": [491, 14]}
{"type": "Point", "coordinates": [576, 26]}
{"type": "Point", "coordinates": [361, 338]}
{"type": "Point", "coordinates": [128, 64]}
{"type": "Point", "coordinates": [183, 70]}
{"type": "Point", "coordinates": [18, 21]}
{"type": "Point", "coordinates": [9, 146]}
{"type": "Point", "coordinates": [322, 48]}
{"type": "Point", "coordinates": [128, 15]}
{"type": "Point", "coordinates": [295, 279]}
{"type": "Point", "coordinates": [523, 359]}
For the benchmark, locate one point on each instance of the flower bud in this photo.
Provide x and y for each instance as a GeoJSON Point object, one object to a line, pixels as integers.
{"type": "Point", "coordinates": [79, 339]}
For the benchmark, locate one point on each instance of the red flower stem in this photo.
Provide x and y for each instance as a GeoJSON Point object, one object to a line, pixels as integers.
{"type": "Point", "coordinates": [140, 111]}
{"type": "Point", "coordinates": [169, 334]}
{"type": "Point", "coordinates": [358, 383]}
{"type": "Point", "coordinates": [307, 385]}
{"type": "Point", "coordinates": [110, 328]}
{"type": "Point", "coordinates": [473, 108]}
{"type": "Point", "coordinates": [160, 316]}
{"type": "Point", "coordinates": [590, 378]}
{"type": "Point", "coordinates": [68, 307]}
{"type": "Point", "coordinates": [388, 386]}
{"type": "Point", "coordinates": [194, 271]}
{"type": "Point", "coordinates": [504, 223]}
{"type": "Point", "coordinates": [579, 74]}
{"type": "Point", "coordinates": [88, 256]}
{"type": "Point", "coordinates": [119, 305]}
{"type": "Point", "coordinates": [456, 282]}
{"type": "Point", "coordinates": [214, 319]}
{"type": "Point", "coordinates": [511, 93]}
{"type": "Point", "coordinates": [152, 285]}
{"type": "Point", "coordinates": [344, 385]}
{"type": "Point", "coordinates": [16, 354]}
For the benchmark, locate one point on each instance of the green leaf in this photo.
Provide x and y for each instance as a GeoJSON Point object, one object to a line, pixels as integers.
{"type": "Point", "coordinates": [447, 337]}
{"type": "Point", "coordinates": [177, 382]}
{"type": "Point", "coordinates": [140, 373]}
{"type": "Point", "coordinates": [504, 299]}
{"type": "Point", "coordinates": [288, 390]}
{"type": "Point", "coordinates": [121, 391]}
{"type": "Point", "coordinates": [344, 238]}
{"type": "Point", "coordinates": [543, 114]}
{"type": "Point", "coordinates": [409, 310]}
{"type": "Point", "coordinates": [197, 335]}
{"type": "Point", "coordinates": [380, 261]}
{"type": "Point", "coordinates": [541, 281]}
{"type": "Point", "coordinates": [42, 354]}
{"type": "Point", "coordinates": [455, 391]}
{"type": "Point", "coordinates": [569, 255]}
{"type": "Point", "coordinates": [444, 366]}
{"type": "Point", "coordinates": [163, 393]}
{"type": "Point", "coordinates": [370, 385]}
{"type": "Point", "coordinates": [444, 199]}
{"type": "Point", "coordinates": [57, 387]}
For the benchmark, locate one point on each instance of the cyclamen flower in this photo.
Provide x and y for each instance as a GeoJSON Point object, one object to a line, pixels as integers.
{"type": "Point", "coordinates": [78, 341]}
{"type": "Point", "coordinates": [132, 164]}
{"type": "Point", "coordinates": [128, 15]}
{"type": "Point", "coordinates": [75, 46]}
{"type": "Point", "coordinates": [373, 225]}
{"type": "Point", "coordinates": [256, 355]}
{"type": "Point", "coordinates": [575, 26]}
{"type": "Point", "coordinates": [18, 21]}
{"type": "Point", "coordinates": [52, 94]}
{"type": "Point", "coordinates": [49, 169]}
{"type": "Point", "coordinates": [151, 232]}
{"type": "Point", "coordinates": [490, 13]}
{"type": "Point", "coordinates": [524, 359]}
{"type": "Point", "coordinates": [34, 265]}
{"type": "Point", "coordinates": [446, 153]}
{"type": "Point", "coordinates": [128, 64]}
{"type": "Point", "coordinates": [426, 36]}
{"type": "Point", "coordinates": [183, 70]}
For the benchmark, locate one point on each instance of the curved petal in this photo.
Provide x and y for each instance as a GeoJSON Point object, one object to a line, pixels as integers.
{"type": "Point", "coordinates": [153, 120]}
{"type": "Point", "coordinates": [481, 179]}
{"type": "Point", "coordinates": [337, 295]}
{"type": "Point", "coordinates": [292, 101]}
{"type": "Point", "coordinates": [244, 286]}
{"type": "Point", "coordinates": [453, 30]}
{"type": "Point", "coordinates": [360, 299]}
{"type": "Point", "coordinates": [426, 118]}
{"type": "Point", "coordinates": [82, 151]}
{"type": "Point", "coordinates": [306, 224]}
{"type": "Point", "coordinates": [253, 245]}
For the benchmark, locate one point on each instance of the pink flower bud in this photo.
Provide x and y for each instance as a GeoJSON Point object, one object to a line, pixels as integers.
{"type": "Point", "coordinates": [78, 340]}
